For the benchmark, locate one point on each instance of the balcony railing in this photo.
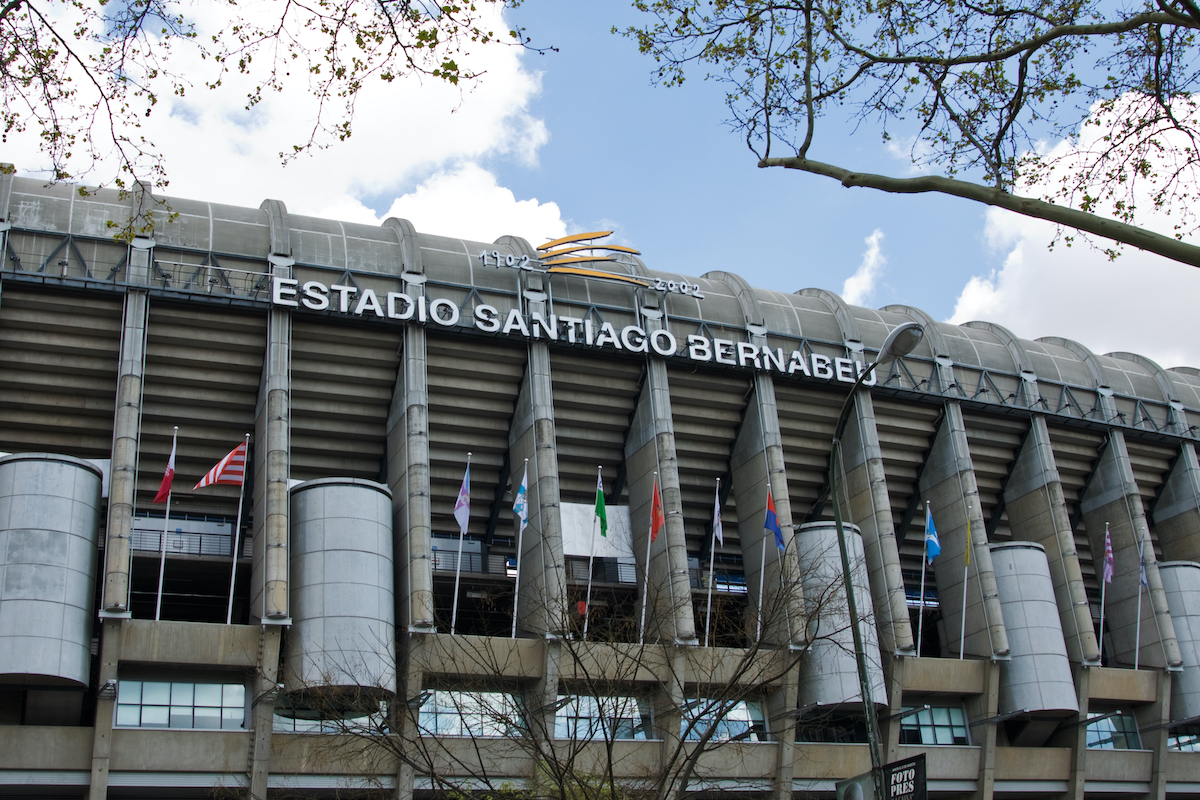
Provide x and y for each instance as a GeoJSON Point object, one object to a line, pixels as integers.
{"type": "Point", "coordinates": [189, 543]}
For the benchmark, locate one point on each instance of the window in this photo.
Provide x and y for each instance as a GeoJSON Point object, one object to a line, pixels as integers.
{"type": "Point", "coordinates": [184, 705]}
{"type": "Point", "coordinates": [742, 721]}
{"type": "Point", "coordinates": [937, 725]}
{"type": "Point", "coordinates": [1113, 731]}
{"type": "Point", "coordinates": [586, 718]}
{"type": "Point", "coordinates": [1185, 738]}
{"type": "Point", "coordinates": [462, 713]}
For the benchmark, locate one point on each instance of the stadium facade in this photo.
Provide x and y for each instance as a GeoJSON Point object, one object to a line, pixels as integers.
{"type": "Point", "coordinates": [367, 362]}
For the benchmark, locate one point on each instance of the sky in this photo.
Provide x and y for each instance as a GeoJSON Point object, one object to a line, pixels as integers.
{"type": "Point", "coordinates": [580, 140]}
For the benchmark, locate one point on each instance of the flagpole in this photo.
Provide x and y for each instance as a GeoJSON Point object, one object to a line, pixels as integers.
{"type": "Point", "coordinates": [462, 530]}
{"type": "Point", "coordinates": [520, 538]}
{"type": "Point", "coordinates": [762, 568]}
{"type": "Point", "coordinates": [587, 604]}
{"type": "Point", "coordinates": [924, 563]}
{"type": "Point", "coordinates": [646, 582]}
{"type": "Point", "coordinates": [712, 563]}
{"type": "Point", "coordinates": [962, 635]}
{"type": "Point", "coordinates": [237, 532]}
{"type": "Point", "coordinates": [1103, 591]}
{"type": "Point", "coordinates": [162, 549]}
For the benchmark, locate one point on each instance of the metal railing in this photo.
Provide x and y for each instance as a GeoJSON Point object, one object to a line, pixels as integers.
{"type": "Point", "coordinates": [444, 561]}
{"type": "Point", "coordinates": [730, 582]}
{"type": "Point", "coordinates": [189, 543]}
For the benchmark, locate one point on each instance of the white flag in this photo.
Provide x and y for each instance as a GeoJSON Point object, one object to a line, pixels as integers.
{"type": "Point", "coordinates": [718, 532]}
{"type": "Point", "coordinates": [462, 508]}
{"type": "Point", "coordinates": [521, 503]}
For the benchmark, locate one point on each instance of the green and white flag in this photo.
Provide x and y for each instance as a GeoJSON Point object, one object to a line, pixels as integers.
{"type": "Point", "coordinates": [600, 512]}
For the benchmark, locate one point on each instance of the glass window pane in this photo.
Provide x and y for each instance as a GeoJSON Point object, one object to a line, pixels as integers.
{"type": "Point", "coordinates": [130, 716]}
{"type": "Point", "coordinates": [181, 716]}
{"type": "Point", "coordinates": [207, 719]}
{"type": "Point", "coordinates": [129, 692]}
{"type": "Point", "coordinates": [233, 695]}
{"type": "Point", "coordinates": [182, 694]}
{"type": "Point", "coordinates": [154, 716]}
{"type": "Point", "coordinates": [208, 694]}
{"type": "Point", "coordinates": [232, 718]}
{"type": "Point", "coordinates": [156, 693]}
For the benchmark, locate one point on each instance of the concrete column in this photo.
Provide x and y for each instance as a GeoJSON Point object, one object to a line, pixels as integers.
{"type": "Point", "coordinates": [122, 482]}
{"type": "Point", "coordinates": [110, 657]}
{"type": "Point", "coordinates": [272, 432]}
{"type": "Point", "coordinates": [948, 483]}
{"type": "Point", "coordinates": [1037, 512]}
{"type": "Point", "coordinates": [981, 708]}
{"type": "Point", "coordinates": [1177, 512]}
{"type": "Point", "coordinates": [780, 707]}
{"type": "Point", "coordinates": [1076, 734]}
{"type": "Point", "coordinates": [1156, 715]}
{"type": "Point", "coordinates": [866, 503]}
{"type": "Point", "coordinates": [1112, 498]}
{"type": "Point", "coordinates": [408, 455]}
{"type": "Point", "coordinates": [262, 710]}
{"type": "Point", "coordinates": [756, 462]}
{"type": "Point", "coordinates": [651, 446]}
{"type": "Point", "coordinates": [542, 602]}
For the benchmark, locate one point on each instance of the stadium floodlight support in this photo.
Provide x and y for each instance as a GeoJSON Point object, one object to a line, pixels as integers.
{"type": "Point", "coordinates": [900, 342]}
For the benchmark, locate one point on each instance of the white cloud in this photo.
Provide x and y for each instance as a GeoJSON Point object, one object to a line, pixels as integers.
{"type": "Point", "coordinates": [860, 287]}
{"type": "Point", "coordinates": [1140, 303]}
{"type": "Point", "coordinates": [467, 203]}
{"type": "Point", "coordinates": [404, 132]}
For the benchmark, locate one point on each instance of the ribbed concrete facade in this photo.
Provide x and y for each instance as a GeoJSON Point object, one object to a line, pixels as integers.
{"type": "Point", "coordinates": [367, 362]}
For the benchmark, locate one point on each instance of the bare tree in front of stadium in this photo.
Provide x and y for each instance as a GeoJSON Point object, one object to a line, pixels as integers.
{"type": "Point", "coordinates": [972, 92]}
{"type": "Point", "coordinates": [618, 720]}
{"type": "Point", "coordinates": [83, 75]}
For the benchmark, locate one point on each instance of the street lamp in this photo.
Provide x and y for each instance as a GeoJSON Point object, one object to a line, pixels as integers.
{"type": "Point", "coordinates": [900, 342]}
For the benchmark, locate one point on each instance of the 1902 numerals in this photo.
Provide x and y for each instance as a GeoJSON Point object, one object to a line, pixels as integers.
{"type": "Point", "coordinates": [495, 259]}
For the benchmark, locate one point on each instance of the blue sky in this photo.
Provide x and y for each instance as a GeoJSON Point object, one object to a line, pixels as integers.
{"type": "Point", "coordinates": [579, 139]}
{"type": "Point", "coordinates": [661, 167]}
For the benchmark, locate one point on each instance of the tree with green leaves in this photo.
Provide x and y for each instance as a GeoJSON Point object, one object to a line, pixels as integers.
{"type": "Point", "coordinates": [980, 85]}
{"type": "Point", "coordinates": [83, 75]}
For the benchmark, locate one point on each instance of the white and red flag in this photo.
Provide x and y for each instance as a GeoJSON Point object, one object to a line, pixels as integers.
{"type": "Point", "coordinates": [230, 470]}
{"type": "Point", "coordinates": [1108, 556]}
{"type": "Point", "coordinates": [164, 489]}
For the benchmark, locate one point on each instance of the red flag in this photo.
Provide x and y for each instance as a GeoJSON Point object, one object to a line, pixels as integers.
{"type": "Point", "coordinates": [164, 489]}
{"type": "Point", "coordinates": [657, 520]}
{"type": "Point", "coordinates": [581, 607]}
{"type": "Point", "coordinates": [229, 470]}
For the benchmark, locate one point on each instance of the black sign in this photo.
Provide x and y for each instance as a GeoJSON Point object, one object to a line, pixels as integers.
{"type": "Point", "coordinates": [905, 780]}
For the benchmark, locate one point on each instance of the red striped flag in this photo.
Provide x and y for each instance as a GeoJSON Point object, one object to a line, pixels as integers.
{"type": "Point", "coordinates": [229, 470]}
{"type": "Point", "coordinates": [164, 489]}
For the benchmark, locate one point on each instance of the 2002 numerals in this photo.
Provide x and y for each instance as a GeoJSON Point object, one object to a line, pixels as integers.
{"type": "Point", "coordinates": [679, 287]}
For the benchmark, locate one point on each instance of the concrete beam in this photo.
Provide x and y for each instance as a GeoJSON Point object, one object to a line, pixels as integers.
{"type": "Point", "coordinates": [948, 484]}
{"type": "Point", "coordinates": [408, 454]}
{"type": "Point", "coordinates": [1037, 512]}
{"type": "Point", "coordinates": [122, 482]}
{"type": "Point", "coordinates": [542, 584]}
{"type": "Point", "coordinates": [1112, 499]}
{"type": "Point", "coordinates": [1177, 510]}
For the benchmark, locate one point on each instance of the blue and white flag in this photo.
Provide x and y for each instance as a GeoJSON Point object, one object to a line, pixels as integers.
{"type": "Point", "coordinates": [932, 546]}
{"type": "Point", "coordinates": [521, 503]}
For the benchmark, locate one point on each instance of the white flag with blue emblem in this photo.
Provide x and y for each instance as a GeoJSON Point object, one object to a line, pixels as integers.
{"type": "Point", "coordinates": [932, 545]}
{"type": "Point", "coordinates": [521, 503]}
